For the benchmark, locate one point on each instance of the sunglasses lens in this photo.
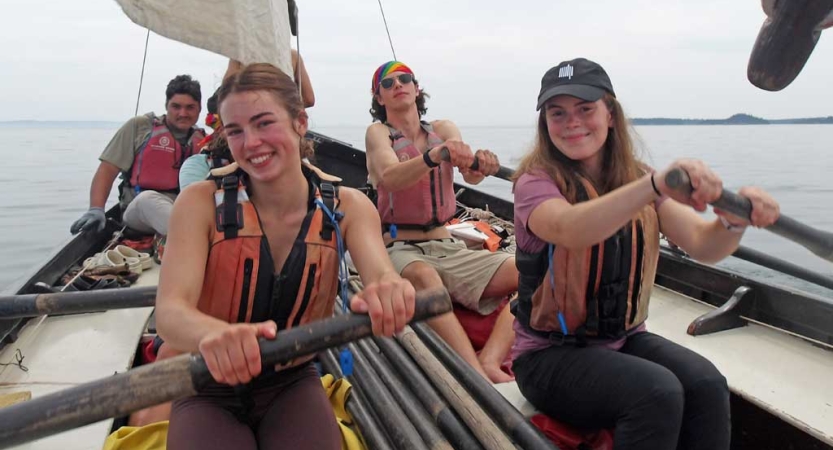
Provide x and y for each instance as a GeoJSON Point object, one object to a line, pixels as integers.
{"type": "Point", "coordinates": [406, 78]}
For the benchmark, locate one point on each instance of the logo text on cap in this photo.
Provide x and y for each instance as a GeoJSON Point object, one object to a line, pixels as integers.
{"type": "Point", "coordinates": [566, 72]}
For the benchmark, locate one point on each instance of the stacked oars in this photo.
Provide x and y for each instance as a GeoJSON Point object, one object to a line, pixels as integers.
{"type": "Point", "coordinates": [422, 395]}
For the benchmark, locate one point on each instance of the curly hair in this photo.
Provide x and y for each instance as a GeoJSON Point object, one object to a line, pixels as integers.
{"type": "Point", "coordinates": [183, 84]}
{"type": "Point", "coordinates": [266, 77]}
{"type": "Point", "coordinates": [378, 112]}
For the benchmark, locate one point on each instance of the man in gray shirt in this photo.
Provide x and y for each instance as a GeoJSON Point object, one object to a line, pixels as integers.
{"type": "Point", "coordinates": [148, 152]}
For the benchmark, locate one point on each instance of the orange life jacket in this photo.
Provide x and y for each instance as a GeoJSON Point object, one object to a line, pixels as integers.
{"type": "Point", "coordinates": [427, 204]}
{"type": "Point", "coordinates": [599, 292]}
{"type": "Point", "coordinates": [240, 284]}
{"type": "Point", "coordinates": [156, 164]}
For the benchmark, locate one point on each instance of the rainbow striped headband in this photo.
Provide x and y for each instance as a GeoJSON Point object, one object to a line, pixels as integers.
{"type": "Point", "coordinates": [387, 69]}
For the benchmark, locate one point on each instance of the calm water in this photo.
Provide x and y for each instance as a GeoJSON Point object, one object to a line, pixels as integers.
{"type": "Point", "coordinates": [48, 170]}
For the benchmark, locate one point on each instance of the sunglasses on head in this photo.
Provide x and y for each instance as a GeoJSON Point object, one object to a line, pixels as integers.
{"type": "Point", "coordinates": [404, 78]}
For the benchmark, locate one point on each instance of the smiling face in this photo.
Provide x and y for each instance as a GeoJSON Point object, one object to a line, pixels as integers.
{"type": "Point", "coordinates": [578, 128]}
{"type": "Point", "coordinates": [263, 138]}
{"type": "Point", "coordinates": [182, 112]}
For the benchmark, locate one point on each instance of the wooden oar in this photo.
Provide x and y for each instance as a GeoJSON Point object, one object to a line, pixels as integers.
{"type": "Point", "coordinates": [478, 421]}
{"type": "Point", "coordinates": [407, 400]}
{"type": "Point", "coordinates": [32, 305]}
{"type": "Point", "coordinates": [817, 241]}
{"type": "Point", "coordinates": [178, 377]}
{"type": "Point", "coordinates": [503, 172]}
{"type": "Point", "coordinates": [501, 411]}
{"type": "Point", "coordinates": [785, 42]}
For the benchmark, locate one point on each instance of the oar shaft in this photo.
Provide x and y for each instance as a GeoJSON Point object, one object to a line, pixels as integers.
{"type": "Point", "coordinates": [817, 241]}
{"type": "Point", "coordinates": [31, 305]}
{"type": "Point", "coordinates": [177, 377]}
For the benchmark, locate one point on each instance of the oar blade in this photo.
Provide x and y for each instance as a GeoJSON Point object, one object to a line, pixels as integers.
{"type": "Point", "coordinates": [785, 42]}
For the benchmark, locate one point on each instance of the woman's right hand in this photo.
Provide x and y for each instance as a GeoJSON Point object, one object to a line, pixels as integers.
{"type": "Point", "coordinates": [706, 186]}
{"type": "Point", "coordinates": [232, 353]}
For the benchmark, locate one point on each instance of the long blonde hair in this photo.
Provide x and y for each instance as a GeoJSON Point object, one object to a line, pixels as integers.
{"type": "Point", "coordinates": [619, 162]}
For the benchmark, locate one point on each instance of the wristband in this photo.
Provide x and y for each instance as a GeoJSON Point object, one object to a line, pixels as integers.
{"type": "Point", "coordinates": [654, 185]}
{"type": "Point", "coordinates": [731, 227]}
{"type": "Point", "coordinates": [428, 162]}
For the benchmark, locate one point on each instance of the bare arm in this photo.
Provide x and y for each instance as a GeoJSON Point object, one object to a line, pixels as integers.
{"type": "Point", "coordinates": [384, 167]}
{"type": "Point", "coordinates": [587, 223]}
{"type": "Point", "coordinates": [387, 298]}
{"type": "Point", "coordinates": [306, 85]}
{"type": "Point", "coordinates": [179, 322]}
{"type": "Point", "coordinates": [102, 184]}
{"type": "Point", "coordinates": [707, 241]}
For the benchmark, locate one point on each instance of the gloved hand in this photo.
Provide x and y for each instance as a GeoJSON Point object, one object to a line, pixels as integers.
{"type": "Point", "coordinates": [92, 220]}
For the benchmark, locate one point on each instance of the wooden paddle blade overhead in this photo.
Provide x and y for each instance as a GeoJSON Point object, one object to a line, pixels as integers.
{"type": "Point", "coordinates": [786, 40]}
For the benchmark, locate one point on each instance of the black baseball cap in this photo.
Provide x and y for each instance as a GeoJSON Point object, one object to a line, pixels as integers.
{"type": "Point", "coordinates": [580, 78]}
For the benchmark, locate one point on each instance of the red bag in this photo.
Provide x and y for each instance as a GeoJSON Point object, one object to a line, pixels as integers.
{"type": "Point", "coordinates": [569, 438]}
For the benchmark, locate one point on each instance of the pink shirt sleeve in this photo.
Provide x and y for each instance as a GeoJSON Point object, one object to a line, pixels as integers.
{"type": "Point", "coordinates": [531, 190]}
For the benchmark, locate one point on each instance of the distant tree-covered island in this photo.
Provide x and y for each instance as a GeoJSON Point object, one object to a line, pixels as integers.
{"type": "Point", "coordinates": [737, 119]}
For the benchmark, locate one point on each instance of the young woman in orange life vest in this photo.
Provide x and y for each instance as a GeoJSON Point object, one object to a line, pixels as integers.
{"type": "Point", "coordinates": [273, 266]}
{"type": "Point", "coordinates": [587, 217]}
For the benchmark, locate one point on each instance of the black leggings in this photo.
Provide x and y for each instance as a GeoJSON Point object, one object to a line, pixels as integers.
{"type": "Point", "coordinates": [286, 410]}
{"type": "Point", "coordinates": [657, 394]}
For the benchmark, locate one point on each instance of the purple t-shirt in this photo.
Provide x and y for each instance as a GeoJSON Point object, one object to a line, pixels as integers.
{"type": "Point", "coordinates": [532, 189]}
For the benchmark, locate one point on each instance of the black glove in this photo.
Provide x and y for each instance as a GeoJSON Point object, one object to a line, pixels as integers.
{"type": "Point", "coordinates": [92, 220]}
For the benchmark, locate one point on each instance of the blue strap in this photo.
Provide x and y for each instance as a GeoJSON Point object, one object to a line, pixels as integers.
{"type": "Point", "coordinates": [551, 270]}
{"type": "Point", "coordinates": [345, 356]}
{"type": "Point", "coordinates": [343, 271]}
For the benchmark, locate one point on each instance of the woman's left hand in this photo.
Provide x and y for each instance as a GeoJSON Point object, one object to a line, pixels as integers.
{"type": "Point", "coordinates": [765, 210]}
{"type": "Point", "coordinates": [389, 303]}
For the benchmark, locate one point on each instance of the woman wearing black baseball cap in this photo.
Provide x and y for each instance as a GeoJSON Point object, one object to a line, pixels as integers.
{"type": "Point", "coordinates": [588, 215]}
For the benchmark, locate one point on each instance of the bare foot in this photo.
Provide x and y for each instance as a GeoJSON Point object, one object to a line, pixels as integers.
{"type": "Point", "coordinates": [495, 375]}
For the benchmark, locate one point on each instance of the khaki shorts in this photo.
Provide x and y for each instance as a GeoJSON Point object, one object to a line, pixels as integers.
{"type": "Point", "coordinates": [465, 273]}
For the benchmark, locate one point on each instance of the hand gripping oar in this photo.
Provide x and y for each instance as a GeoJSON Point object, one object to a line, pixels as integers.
{"type": "Point", "coordinates": [31, 305]}
{"type": "Point", "coordinates": [179, 377]}
{"type": "Point", "coordinates": [503, 172]}
{"type": "Point", "coordinates": [785, 42]}
{"type": "Point", "coordinates": [817, 241]}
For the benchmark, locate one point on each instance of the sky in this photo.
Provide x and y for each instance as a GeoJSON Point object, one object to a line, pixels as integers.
{"type": "Point", "coordinates": [480, 60]}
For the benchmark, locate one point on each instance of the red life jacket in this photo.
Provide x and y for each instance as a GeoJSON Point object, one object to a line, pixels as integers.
{"type": "Point", "coordinates": [597, 292]}
{"type": "Point", "coordinates": [430, 202]}
{"type": "Point", "coordinates": [240, 284]}
{"type": "Point", "coordinates": [156, 164]}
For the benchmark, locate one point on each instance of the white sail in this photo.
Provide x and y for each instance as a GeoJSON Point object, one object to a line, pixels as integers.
{"type": "Point", "coordinates": [246, 30]}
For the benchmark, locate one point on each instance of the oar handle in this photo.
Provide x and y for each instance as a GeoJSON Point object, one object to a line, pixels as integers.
{"type": "Point", "coordinates": [503, 172]}
{"type": "Point", "coordinates": [817, 241]}
{"type": "Point", "coordinates": [678, 180]}
{"type": "Point", "coordinates": [317, 336]}
{"type": "Point", "coordinates": [178, 377]}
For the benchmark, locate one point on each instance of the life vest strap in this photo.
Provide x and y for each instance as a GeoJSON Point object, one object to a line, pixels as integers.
{"type": "Point", "coordinates": [230, 213]}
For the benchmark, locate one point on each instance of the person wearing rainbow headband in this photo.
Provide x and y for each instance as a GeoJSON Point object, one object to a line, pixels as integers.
{"type": "Point", "coordinates": [411, 164]}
